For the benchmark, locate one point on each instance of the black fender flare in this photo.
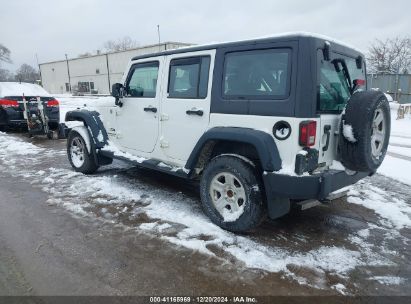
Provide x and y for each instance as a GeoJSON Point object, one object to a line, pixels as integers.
{"type": "Point", "coordinates": [94, 125]}
{"type": "Point", "coordinates": [263, 142]}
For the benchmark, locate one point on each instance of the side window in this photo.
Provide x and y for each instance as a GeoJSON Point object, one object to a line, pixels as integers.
{"type": "Point", "coordinates": [142, 80]}
{"type": "Point", "coordinates": [261, 74]}
{"type": "Point", "coordinates": [188, 77]}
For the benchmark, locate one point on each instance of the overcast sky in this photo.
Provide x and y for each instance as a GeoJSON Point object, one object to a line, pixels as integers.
{"type": "Point", "coordinates": [53, 28]}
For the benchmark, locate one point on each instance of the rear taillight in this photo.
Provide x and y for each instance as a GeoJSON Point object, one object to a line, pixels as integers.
{"type": "Point", "coordinates": [52, 103]}
{"type": "Point", "coordinates": [8, 103]}
{"type": "Point", "coordinates": [359, 82]}
{"type": "Point", "coordinates": [308, 130]}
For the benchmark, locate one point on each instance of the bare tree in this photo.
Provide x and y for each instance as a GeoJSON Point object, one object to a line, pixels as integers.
{"type": "Point", "coordinates": [6, 75]}
{"type": "Point", "coordinates": [4, 54]}
{"type": "Point", "coordinates": [390, 56]}
{"type": "Point", "coordinates": [27, 73]}
{"type": "Point", "coordinates": [122, 44]}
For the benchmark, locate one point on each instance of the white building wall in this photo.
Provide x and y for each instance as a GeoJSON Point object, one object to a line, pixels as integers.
{"type": "Point", "coordinates": [94, 68]}
{"type": "Point", "coordinates": [54, 76]}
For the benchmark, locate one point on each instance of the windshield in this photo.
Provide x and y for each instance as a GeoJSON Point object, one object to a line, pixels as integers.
{"type": "Point", "coordinates": [335, 86]}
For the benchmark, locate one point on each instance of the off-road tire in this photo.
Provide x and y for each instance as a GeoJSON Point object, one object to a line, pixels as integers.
{"type": "Point", "coordinates": [359, 114]}
{"type": "Point", "coordinates": [255, 206]}
{"type": "Point", "coordinates": [89, 165]}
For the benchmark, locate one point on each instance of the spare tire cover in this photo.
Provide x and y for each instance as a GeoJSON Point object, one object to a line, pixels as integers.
{"type": "Point", "coordinates": [365, 131]}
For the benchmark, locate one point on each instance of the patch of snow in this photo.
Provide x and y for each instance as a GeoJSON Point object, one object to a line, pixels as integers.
{"type": "Point", "coordinates": [303, 152]}
{"type": "Point", "coordinates": [395, 212]}
{"type": "Point", "coordinates": [364, 233]}
{"type": "Point", "coordinates": [255, 188]}
{"type": "Point", "coordinates": [111, 147]}
{"type": "Point", "coordinates": [396, 168]}
{"type": "Point", "coordinates": [340, 288]}
{"type": "Point", "coordinates": [18, 89]}
{"type": "Point", "coordinates": [163, 165]}
{"type": "Point", "coordinates": [163, 227]}
{"type": "Point", "coordinates": [100, 136]}
{"type": "Point", "coordinates": [232, 216]}
{"type": "Point", "coordinates": [289, 170]}
{"type": "Point", "coordinates": [389, 97]}
{"type": "Point", "coordinates": [148, 226]}
{"type": "Point", "coordinates": [348, 133]}
{"type": "Point", "coordinates": [388, 280]}
{"type": "Point", "coordinates": [336, 165]}
{"type": "Point", "coordinates": [9, 144]}
{"type": "Point", "coordinates": [194, 244]}
{"type": "Point", "coordinates": [404, 151]}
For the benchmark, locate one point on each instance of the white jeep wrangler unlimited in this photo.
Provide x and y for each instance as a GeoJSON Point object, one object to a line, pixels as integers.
{"type": "Point", "coordinates": [259, 123]}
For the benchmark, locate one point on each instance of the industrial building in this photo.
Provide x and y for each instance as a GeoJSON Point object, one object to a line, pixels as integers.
{"type": "Point", "coordinates": [94, 74]}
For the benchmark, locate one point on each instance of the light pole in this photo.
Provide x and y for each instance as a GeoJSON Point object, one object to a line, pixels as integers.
{"type": "Point", "coordinates": [38, 65]}
{"type": "Point", "coordinates": [68, 72]}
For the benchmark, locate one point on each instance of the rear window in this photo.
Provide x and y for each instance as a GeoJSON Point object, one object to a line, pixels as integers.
{"type": "Point", "coordinates": [333, 88]}
{"type": "Point", "coordinates": [261, 74]}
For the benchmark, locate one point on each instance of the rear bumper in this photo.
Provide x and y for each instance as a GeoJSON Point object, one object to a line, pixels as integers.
{"type": "Point", "coordinates": [317, 186]}
{"type": "Point", "coordinates": [14, 117]}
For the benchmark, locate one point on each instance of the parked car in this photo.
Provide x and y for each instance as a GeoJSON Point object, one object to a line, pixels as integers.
{"type": "Point", "coordinates": [12, 105]}
{"type": "Point", "coordinates": [263, 124]}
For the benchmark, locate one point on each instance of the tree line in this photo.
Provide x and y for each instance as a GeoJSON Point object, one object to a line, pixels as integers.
{"type": "Point", "coordinates": [25, 73]}
{"type": "Point", "coordinates": [392, 56]}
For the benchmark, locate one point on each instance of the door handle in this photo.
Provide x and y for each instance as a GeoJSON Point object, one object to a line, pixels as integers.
{"type": "Point", "coordinates": [195, 112]}
{"type": "Point", "coordinates": [327, 129]}
{"type": "Point", "coordinates": [151, 109]}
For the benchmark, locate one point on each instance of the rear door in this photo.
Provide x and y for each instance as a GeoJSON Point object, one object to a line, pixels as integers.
{"type": "Point", "coordinates": [185, 108]}
{"type": "Point", "coordinates": [333, 95]}
{"type": "Point", "coordinates": [137, 121]}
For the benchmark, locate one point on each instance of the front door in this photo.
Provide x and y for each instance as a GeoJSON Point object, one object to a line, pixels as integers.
{"type": "Point", "coordinates": [185, 107]}
{"type": "Point", "coordinates": [137, 120]}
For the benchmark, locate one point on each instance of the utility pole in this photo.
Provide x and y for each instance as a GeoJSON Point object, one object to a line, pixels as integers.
{"type": "Point", "coordinates": [68, 72]}
{"type": "Point", "coordinates": [38, 65]}
{"type": "Point", "coordinates": [159, 41]}
{"type": "Point", "coordinates": [108, 74]}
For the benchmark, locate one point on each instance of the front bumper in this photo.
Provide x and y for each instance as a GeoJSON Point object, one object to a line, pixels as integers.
{"type": "Point", "coordinates": [316, 186]}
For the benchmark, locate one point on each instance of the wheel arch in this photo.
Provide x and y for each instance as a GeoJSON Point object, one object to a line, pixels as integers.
{"type": "Point", "coordinates": [229, 139]}
{"type": "Point", "coordinates": [92, 121]}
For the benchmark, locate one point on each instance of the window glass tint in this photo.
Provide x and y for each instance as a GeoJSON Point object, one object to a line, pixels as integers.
{"type": "Point", "coordinates": [189, 77]}
{"type": "Point", "coordinates": [333, 89]}
{"type": "Point", "coordinates": [143, 81]}
{"type": "Point", "coordinates": [257, 74]}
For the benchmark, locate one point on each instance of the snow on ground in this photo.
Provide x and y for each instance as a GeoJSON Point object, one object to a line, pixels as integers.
{"type": "Point", "coordinates": [177, 219]}
{"type": "Point", "coordinates": [393, 165]}
{"type": "Point", "coordinates": [394, 212]}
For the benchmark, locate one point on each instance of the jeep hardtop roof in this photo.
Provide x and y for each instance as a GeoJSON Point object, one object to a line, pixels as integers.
{"type": "Point", "coordinates": [318, 40]}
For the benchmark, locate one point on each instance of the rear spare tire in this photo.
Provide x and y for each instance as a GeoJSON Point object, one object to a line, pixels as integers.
{"type": "Point", "coordinates": [365, 131]}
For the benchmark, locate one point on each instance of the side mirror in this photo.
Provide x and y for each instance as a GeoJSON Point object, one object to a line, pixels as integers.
{"type": "Point", "coordinates": [117, 90]}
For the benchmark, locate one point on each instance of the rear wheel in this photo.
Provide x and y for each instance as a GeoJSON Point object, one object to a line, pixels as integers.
{"type": "Point", "coordinates": [231, 194]}
{"type": "Point", "coordinates": [80, 158]}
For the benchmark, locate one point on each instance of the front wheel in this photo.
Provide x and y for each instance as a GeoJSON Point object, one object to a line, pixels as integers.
{"type": "Point", "coordinates": [80, 158]}
{"type": "Point", "coordinates": [231, 194]}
